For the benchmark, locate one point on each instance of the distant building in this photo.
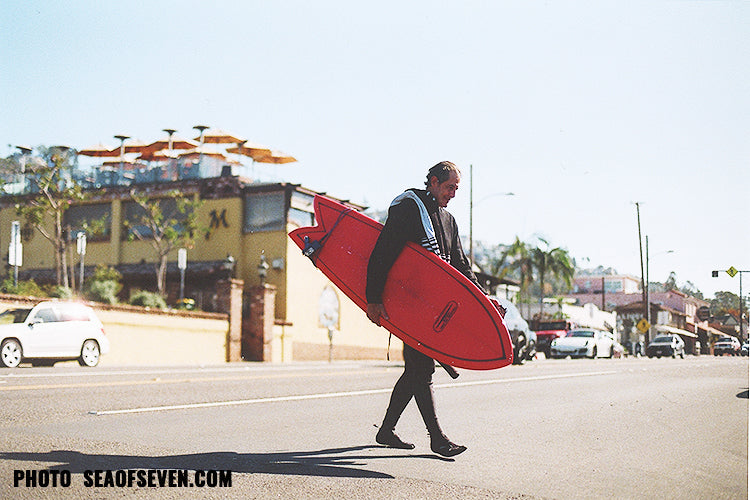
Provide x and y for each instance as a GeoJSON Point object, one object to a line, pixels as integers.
{"type": "Point", "coordinates": [670, 311]}
{"type": "Point", "coordinates": [607, 291]}
{"type": "Point", "coordinates": [623, 283]}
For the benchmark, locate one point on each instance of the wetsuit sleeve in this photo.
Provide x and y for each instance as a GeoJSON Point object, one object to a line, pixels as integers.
{"type": "Point", "coordinates": [398, 230]}
{"type": "Point", "coordinates": [459, 260]}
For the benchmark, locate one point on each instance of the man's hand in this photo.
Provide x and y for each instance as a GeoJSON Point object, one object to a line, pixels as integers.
{"type": "Point", "coordinates": [375, 312]}
{"type": "Point", "coordinates": [499, 308]}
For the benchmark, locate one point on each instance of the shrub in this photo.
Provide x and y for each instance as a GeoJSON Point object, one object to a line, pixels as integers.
{"type": "Point", "coordinates": [104, 273]}
{"type": "Point", "coordinates": [103, 285]}
{"type": "Point", "coordinates": [103, 291]}
{"type": "Point", "coordinates": [29, 288]}
{"type": "Point", "coordinates": [61, 292]}
{"type": "Point", "coordinates": [148, 299]}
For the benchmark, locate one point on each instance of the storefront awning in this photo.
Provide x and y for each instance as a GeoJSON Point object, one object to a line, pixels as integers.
{"type": "Point", "coordinates": [678, 331]}
{"type": "Point", "coordinates": [714, 331]}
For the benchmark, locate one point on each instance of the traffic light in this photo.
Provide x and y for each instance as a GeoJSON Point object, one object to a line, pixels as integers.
{"type": "Point", "coordinates": [714, 274]}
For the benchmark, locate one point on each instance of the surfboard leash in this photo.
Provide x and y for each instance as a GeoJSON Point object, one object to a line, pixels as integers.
{"type": "Point", "coordinates": [312, 247]}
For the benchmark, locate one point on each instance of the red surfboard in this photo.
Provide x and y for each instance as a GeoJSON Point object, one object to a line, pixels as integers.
{"type": "Point", "coordinates": [432, 307]}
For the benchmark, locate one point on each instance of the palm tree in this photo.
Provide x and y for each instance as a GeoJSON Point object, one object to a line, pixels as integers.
{"type": "Point", "coordinates": [555, 262]}
{"type": "Point", "coordinates": [518, 258]}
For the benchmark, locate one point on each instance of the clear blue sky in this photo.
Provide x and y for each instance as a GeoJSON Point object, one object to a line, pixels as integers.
{"type": "Point", "coordinates": [579, 108]}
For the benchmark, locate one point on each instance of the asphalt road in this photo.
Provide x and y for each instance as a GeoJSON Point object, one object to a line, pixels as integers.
{"type": "Point", "coordinates": [606, 428]}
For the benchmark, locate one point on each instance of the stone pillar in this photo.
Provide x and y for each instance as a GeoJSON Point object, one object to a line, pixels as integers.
{"type": "Point", "coordinates": [229, 300]}
{"type": "Point", "coordinates": [257, 326]}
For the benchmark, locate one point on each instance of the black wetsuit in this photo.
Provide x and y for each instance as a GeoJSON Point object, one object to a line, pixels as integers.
{"type": "Point", "coordinates": [403, 225]}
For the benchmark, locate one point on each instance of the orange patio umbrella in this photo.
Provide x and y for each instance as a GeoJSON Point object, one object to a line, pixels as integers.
{"type": "Point", "coordinates": [202, 151]}
{"type": "Point", "coordinates": [100, 150]}
{"type": "Point", "coordinates": [250, 149]}
{"type": "Point", "coordinates": [276, 157]}
{"type": "Point", "coordinates": [218, 136]}
{"type": "Point", "coordinates": [135, 147]}
{"type": "Point", "coordinates": [177, 143]}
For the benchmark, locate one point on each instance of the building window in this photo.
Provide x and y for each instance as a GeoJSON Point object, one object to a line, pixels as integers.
{"type": "Point", "coordinates": [300, 218]}
{"type": "Point", "coordinates": [95, 220]}
{"type": "Point", "coordinates": [264, 212]}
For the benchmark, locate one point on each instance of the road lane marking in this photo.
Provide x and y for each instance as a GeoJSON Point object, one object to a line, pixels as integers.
{"type": "Point", "coordinates": [158, 381]}
{"type": "Point", "coordinates": [526, 379]}
{"type": "Point", "coordinates": [328, 395]}
{"type": "Point", "coordinates": [104, 373]}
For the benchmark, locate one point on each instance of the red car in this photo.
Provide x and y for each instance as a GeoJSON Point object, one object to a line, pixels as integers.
{"type": "Point", "coordinates": [547, 331]}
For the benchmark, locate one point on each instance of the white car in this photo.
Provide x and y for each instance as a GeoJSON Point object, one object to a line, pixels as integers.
{"type": "Point", "coordinates": [50, 332]}
{"type": "Point", "coordinates": [584, 342]}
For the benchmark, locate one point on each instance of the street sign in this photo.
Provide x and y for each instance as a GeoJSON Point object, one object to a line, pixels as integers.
{"type": "Point", "coordinates": [15, 247]}
{"type": "Point", "coordinates": [182, 259]}
{"type": "Point", "coordinates": [643, 325]}
{"type": "Point", "coordinates": [15, 254]}
{"type": "Point", "coordinates": [703, 313]}
{"type": "Point", "coordinates": [81, 243]}
{"type": "Point", "coordinates": [732, 271]}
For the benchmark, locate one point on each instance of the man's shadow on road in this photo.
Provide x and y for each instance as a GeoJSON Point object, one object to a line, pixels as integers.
{"type": "Point", "coordinates": [335, 462]}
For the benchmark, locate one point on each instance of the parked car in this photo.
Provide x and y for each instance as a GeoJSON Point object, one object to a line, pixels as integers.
{"type": "Point", "coordinates": [727, 345]}
{"type": "Point", "coordinates": [547, 331]}
{"type": "Point", "coordinates": [744, 349]}
{"type": "Point", "coordinates": [666, 345]}
{"type": "Point", "coordinates": [524, 340]}
{"type": "Point", "coordinates": [584, 342]}
{"type": "Point", "coordinates": [51, 332]}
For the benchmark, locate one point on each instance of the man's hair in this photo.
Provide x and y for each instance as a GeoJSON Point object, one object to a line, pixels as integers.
{"type": "Point", "coordinates": [442, 171]}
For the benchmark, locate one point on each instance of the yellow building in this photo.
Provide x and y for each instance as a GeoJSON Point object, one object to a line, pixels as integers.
{"type": "Point", "coordinates": [247, 223]}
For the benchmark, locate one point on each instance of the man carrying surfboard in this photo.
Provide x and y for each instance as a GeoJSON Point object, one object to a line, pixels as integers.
{"type": "Point", "coordinates": [417, 215]}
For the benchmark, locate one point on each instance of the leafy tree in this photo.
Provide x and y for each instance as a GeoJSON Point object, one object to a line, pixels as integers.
{"type": "Point", "coordinates": [165, 223]}
{"type": "Point", "coordinates": [671, 283]}
{"type": "Point", "coordinates": [55, 190]}
{"type": "Point", "coordinates": [687, 288]}
{"type": "Point", "coordinates": [725, 303]}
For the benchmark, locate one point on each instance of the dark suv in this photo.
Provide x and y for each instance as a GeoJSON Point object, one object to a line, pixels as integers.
{"type": "Point", "coordinates": [666, 345]}
{"type": "Point", "coordinates": [524, 340]}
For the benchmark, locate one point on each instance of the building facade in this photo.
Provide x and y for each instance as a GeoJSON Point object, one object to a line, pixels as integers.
{"type": "Point", "coordinates": [243, 238]}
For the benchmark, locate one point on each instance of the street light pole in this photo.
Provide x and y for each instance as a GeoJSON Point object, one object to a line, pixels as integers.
{"type": "Point", "coordinates": [471, 211]}
{"type": "Point", "coordinates": [201, 129]}
{"type": "Point", "coordinates": [648, 306]}
{"type": "Point", "coordinates": [644, 288]}
{"type": "Point", "coordinates": [471, 215]}
{"type": "Point", "coordinates": [122, 152]}
{"type": "Point", "coordinates": [742, 300]}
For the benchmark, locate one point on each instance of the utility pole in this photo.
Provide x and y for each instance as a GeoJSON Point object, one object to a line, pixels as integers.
{"type": "Point", "coordinates": [732, 271]}
{"type": "Point", "coordinates": [471, 215]}
{"type": "Point", "coordinates": [644, 290]}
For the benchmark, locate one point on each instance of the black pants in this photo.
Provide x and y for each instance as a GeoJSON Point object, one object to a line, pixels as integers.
{"type": "Point", "coordinates": [416, 381]}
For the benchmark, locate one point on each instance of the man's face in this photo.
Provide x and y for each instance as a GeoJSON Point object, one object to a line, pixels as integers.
{"type": "Point", "coordinates": [444, 191]}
